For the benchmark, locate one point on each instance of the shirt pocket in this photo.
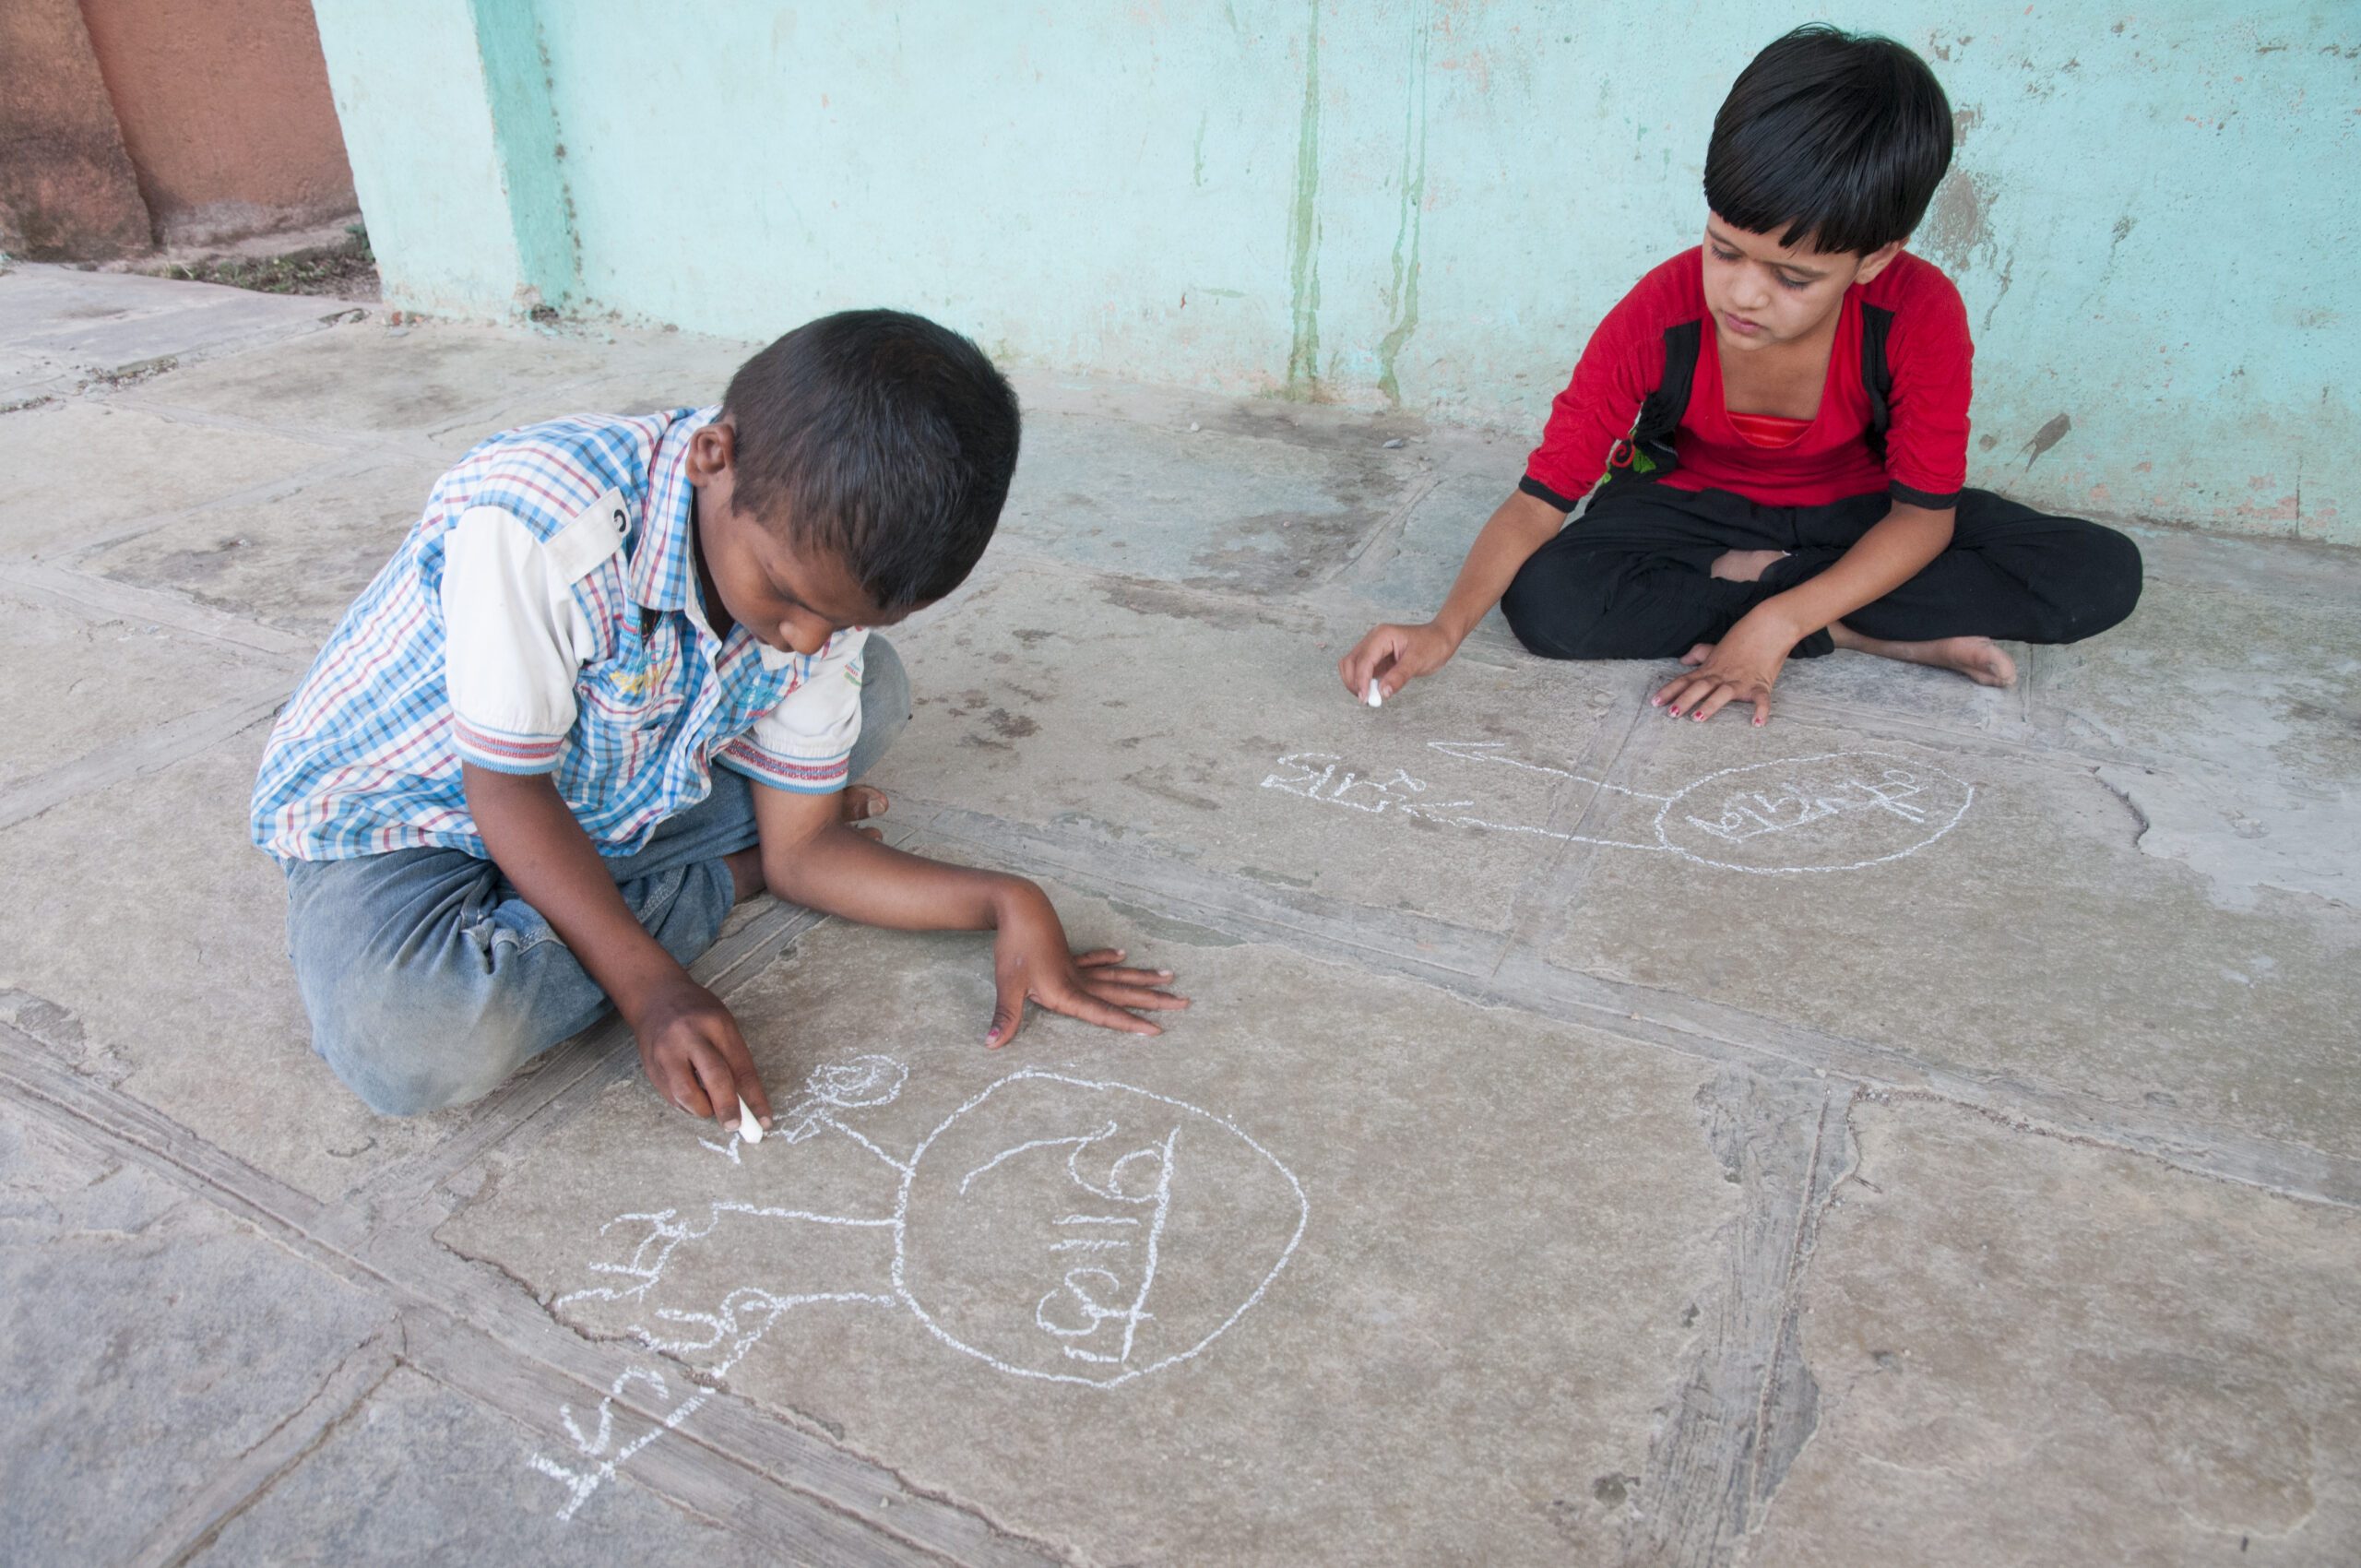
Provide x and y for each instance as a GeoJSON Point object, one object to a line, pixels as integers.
{"type": "Point", "coordinates": [630, 706]}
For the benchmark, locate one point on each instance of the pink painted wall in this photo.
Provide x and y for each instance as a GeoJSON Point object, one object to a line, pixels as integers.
{"type": "Point", "coordinates": [224, 108]}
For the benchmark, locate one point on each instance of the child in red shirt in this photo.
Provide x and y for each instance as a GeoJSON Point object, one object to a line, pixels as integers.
{"type": "Point", "coordinates": [1771, 432]}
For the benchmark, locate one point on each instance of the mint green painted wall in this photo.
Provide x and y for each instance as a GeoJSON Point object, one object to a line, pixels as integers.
{"type": "Point", "coordinates": [1414, 201]}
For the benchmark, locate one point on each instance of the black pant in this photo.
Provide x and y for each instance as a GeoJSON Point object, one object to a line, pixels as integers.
{"type": "Point", "coordinates": [1631, 578]}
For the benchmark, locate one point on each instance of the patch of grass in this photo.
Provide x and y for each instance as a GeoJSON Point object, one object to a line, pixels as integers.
{"type": "Point", "coordinates": [346, 271]}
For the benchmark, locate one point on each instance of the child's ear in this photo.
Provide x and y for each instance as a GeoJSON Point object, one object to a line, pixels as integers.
{"type": "Point", "coordinates": [712, 450]}
{"type": "Point", "coordinates": [1875, 262]}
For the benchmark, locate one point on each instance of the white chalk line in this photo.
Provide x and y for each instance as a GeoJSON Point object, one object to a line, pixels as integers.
{"type": "Point", "coordinates": [901, 1207]}
{"type": "Point", "coordinates": [580, 1484]}
{"type": "Point", "coordinates": [1324, 786]}
{"type": "Point", "coordinates": [747, 1314]}
{"type": "Point", "coordinates": [1967, 799]}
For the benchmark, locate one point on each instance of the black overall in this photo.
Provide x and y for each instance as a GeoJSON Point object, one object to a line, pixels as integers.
{"type": "Point", "coordinates": [1631, 577]}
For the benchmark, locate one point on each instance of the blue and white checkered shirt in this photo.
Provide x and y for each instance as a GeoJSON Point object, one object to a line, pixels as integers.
{"type": "Point", "coordinates": [543, 617]}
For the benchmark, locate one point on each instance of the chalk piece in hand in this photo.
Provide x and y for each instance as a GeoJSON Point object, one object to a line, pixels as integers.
{"type": "Point", "coordinates": [1375, 698]}
{"type": "Point", "coordinates": [748, 1128]}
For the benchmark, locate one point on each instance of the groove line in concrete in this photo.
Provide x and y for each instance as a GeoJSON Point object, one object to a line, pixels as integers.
{"type": "Point", "coordinates": [1461, 961]}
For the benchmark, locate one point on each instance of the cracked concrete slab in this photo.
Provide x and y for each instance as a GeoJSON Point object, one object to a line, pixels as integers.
{"type": "Point", "coordinates": [81, 473]}
{"type": "Point", "coordinates": [372, 382]}
{"type": "Point", "coordinates": [2096, 1360]}
{"type": "Point", "coordinates": [1597, 1293]}
{"type": "Point", "coordinates": [1203, 728]}
{"type": "Point", "coordinates": [60, 327]}
{"type": "Point", "coordinates": [421, 1474]}
{"type": "Point", "coordinates": [1338, 1268]}
{"type": "Point", "coordinates": [294, 560]}
{"type": "Point", "coordinates": [147, 1341]}
{"type": "Point", "coordinates": [1281, 506]}
{"type": "Point", "coordinates": [150, 942]}
{"type": "Point", "coordinates": [2229, 710]}
{"type": "Point", "coordinates": [2029, 941]}
{"type": "Point", "coordinates": [89, 680]}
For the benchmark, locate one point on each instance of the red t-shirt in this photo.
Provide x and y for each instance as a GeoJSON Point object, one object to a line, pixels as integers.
{"type": "Point", "coordinates": [1928, 353]}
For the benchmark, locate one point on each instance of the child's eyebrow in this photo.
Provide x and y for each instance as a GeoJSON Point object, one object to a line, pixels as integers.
{"type": "Point", "coordinates": [1797, 266]}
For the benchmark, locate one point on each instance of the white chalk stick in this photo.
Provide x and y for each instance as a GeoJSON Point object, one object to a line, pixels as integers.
{"type": "Point", "coordinates": [1376, 698]}
{"type": "Point", "coordinates": [748, 1128]}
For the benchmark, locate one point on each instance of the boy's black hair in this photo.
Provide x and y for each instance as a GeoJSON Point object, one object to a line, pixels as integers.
{"type": "Point", "coordinates": [882, 437]}
{"type": "Point", "coordinates": [1840, 138]}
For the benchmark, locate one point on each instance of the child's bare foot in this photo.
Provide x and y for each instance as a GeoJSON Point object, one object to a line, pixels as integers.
{"type": "Point", "coordinates": [860, 802]}
{"type": "Point", "coordinates": [1981, 659]}
{"type": "Point", "coordinates": [1745, 566]}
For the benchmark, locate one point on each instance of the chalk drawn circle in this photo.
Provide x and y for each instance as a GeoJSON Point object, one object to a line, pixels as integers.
{"type": "Point", "coordinates": [1077, 1231]}
{"type": "Point", "coordinates": [1840, 810]}
{"type": "Point", "coordinates": [862, 1081]}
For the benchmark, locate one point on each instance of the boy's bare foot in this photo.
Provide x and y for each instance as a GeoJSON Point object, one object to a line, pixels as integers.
{"type": "Point", "coordinates": [1981, 659]}
{"type": "Point", "coordinates": [857, 802]}
{"type": "Point", "coordinates": [1745, 566]}
{"type": "Point", "coordinates": [860, 802]}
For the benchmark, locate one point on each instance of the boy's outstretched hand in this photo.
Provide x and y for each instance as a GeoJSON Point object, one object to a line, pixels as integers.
{"type": "Point", "coordinates": [1742, 667]}
{"type": "Point", "coordinates": [1032, 963]}
{"type": "Point", "coordinates": [1394, 656]}
{"type": "Point", "coordinates": [691, 1049]}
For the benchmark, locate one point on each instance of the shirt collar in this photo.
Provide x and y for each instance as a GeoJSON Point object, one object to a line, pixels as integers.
{"type": "Point", "coordinates": [663, 571]}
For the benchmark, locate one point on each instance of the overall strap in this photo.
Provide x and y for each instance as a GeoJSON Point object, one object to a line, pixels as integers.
{"type": "Point", "coordinates": [1647, 451]}
{"type": "Point", "coordinates": [1877, 380]}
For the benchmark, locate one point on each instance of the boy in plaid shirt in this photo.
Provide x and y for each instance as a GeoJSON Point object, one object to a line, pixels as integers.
{"type": "Point", "coordinates": [619, 677]}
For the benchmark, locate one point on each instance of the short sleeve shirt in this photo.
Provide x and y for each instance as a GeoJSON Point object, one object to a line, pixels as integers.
{"type": "Point", "coordinates": [543, 616]}
{"type": "Point", "coordinates": [1929, 355]}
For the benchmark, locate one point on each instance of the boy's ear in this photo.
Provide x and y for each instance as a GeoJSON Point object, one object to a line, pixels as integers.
{"type": "Point", "coordinates": [712, 450]}
{"type": "Point", "coordinates": [1875, 262]}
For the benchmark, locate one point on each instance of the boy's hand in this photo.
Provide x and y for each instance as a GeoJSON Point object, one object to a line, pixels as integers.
{"type": "Point", "coordinates": [1394, 657]}
{"type": "Point", "coordinates": [691, 1049]}
{"type": "Point", "coordinates": [1742, 667]}
{"type": "Point", "coordinates": [1031, 962]}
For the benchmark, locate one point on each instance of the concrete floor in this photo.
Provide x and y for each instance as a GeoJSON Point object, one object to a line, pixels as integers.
{"type": "Point", "coordinates": [1573, 1156]}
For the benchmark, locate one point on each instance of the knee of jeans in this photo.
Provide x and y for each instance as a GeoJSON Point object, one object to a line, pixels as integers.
{"type": "Point", "coordinates": [1545, 606]}
{"type": "Point", "coordinates": [885, 682]}
{"type": "Point", "coordinates": [2116, 576]}
{"type": "Point", "coordinates": [406, 1055]}
{"type": "Point", "coordinates": [884, 693]}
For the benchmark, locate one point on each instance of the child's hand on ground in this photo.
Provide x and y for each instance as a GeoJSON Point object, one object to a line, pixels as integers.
{"type": "Point", "coordinates": [691, 1049]}
{"type": "Point", "coordinates": [1031, 962]}
{"type": "Point", "coordinates": [1742, 667]}
{"type": "Point", "coordinates": [1394, 657]}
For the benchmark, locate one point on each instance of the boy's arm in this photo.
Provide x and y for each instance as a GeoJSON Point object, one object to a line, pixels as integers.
{"type": "Point", "coordinates": [1395, 654]}
{"type": "Point", "coordinates": [688, 1043]}
{"type": "Point", "coordinates": [1745, 664]}
{"type": "Point", "coordinates": [810, 858]}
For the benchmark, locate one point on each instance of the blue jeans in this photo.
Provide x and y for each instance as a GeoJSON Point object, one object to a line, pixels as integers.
{"type": "Point", "coordinates": [428, 978]}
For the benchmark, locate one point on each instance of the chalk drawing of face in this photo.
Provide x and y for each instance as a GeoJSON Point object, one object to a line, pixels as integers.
{"type": "Point", "coordinates": [1088, 1233]}
{"type": "Point", "coordinates": [1834, 813]}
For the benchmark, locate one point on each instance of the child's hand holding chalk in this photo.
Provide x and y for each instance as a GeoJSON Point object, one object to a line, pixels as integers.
{"type": "Point", "coordinates": [1389, 658]}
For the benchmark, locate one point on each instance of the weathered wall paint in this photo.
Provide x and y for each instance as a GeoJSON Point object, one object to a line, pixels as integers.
{"type": "Point", "coordinates": [1422, 202]}
{"type": "Point", "coordinates": [411, 92]}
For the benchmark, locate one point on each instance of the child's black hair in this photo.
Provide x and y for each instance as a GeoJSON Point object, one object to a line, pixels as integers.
{"type": "Point", "coordinates": [1839, 138]}
{"type": "Point", "coordinates": [882, 437]}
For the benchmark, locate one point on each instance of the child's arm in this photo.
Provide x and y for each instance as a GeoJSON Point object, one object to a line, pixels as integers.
{"type": "Point", "coordinates": [1393, 655]}
{"type": "Point", "coordinates": [1745, 664]}
{"type": "Point", "coordinates": [689, 1044]}
{"type": "Point", "coordinates": [810, 858]}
